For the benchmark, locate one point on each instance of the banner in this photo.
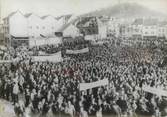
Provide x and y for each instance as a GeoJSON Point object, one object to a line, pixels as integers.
{"type": "Point", "coordinates": [51, 58]}
{"type": "Point", "coordinates": [44, 41]}
{"type": "Point", "coordinates": [157, 91]}
{"type": "Point", "coordinates": [77, 51]}
{"type": "Point", "coordinates": [85, 86]}
{"type": "Point", "coordinates": [5, 61]}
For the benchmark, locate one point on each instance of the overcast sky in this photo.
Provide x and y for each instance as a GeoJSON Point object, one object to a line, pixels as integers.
{"type": "Point", "coordinates": [59, 7]}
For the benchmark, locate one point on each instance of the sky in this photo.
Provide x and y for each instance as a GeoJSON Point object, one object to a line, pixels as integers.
{"type": "Point", "coordinates": [60, 7]}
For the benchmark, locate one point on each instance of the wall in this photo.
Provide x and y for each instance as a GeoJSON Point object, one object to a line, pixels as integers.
{"type": "Point", "coordinates": [150, 30]}
{"type": "Point", "coordinates": [34, 26]}
{"type": "Point", "coordinates": [71, 31]}
{"type": "Point", "coordinates": [18, 25]}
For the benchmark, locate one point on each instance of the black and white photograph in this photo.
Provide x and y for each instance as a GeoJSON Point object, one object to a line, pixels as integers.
{"type": "Point", "coordinates": [83, 58]}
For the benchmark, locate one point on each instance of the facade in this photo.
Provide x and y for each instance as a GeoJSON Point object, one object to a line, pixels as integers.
{"type": "Point", "coordinates": [162, 29]}
{"type": "Point", "coordinates": [49, 25]}
{"type": "Point", "coordinates": [20, 28]}
{"type": "Point", "coordinates": [137, 31]}
{"type": "Point", "coordinates": [71, 31]}
{"type": "Point", "coordinates": [62, 21]}
{"type": "Point", "coordinates": [113, 27]}
{"type": "Point", "coordinates": [144, 31]}
{"type": "Point", "coordinates": [18, 20]}
{"type": "Point", "coordinates": [125, 31]}
{"type": "Point", "coordinates": [150, 32]}
{"type": "Point", "coordinates": [2, 41]}
{"type": "Point", "coordinates": [34, 25]}
{"type": "Point", "coordinates": [102, 28]}
{"type": "Point", "coordinates": [15, 29]}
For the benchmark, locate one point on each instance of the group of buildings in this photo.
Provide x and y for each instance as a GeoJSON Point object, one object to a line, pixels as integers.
{"type": "Point", "coordinates": [138, 31]}
{"type": "Point", "coordinates": [32, 29]}
{"type": "Point", "coordinates": [24, 28]}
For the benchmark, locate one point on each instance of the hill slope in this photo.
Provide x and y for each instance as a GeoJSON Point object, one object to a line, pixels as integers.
{"type": "Point", "coordinates": [127, 10]}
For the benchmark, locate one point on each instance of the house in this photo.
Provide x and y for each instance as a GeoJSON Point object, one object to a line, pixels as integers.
{"type": "Point", "coordinates": [102, 29]}
{"type": "Point", "coordinates": [162, 32]}
{"type": "Point", "coordinates": [125, 31]}
{"type": "Point", "coordinates": [63, 20]}
{"type": "Point", "coordinates": [137, 27]}
{"type": "Point", "coordinates": [16, 19]}
{"type": "Point", "coordinates": [150, 32]}
{"type": "Point", "coordinates": [2, 39]}
{"type": "Point", "coordinates": [71, 31]}
{"type": "Point", "coordinates": [49, 24]}
{"type": "Point", "coordinates": [34, 25]}
{"type": "Point", "coordinates": [126, 34]}
{"type": "Point", "coordinates": [162, 29]}
{"type": "Point", "coordinates": [137, 31]}
{"type": "Point", "coordinates": [19, 28]}
{"type": "Point", "coordinates": [15, 29]}
{"type": "Point", "coordinates": [113, 27]}
{"type": "Point", "coordinates": [87, 25]}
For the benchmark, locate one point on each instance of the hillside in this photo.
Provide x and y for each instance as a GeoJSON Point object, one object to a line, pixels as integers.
{"type": "Point", "coordinates": [127, 10]}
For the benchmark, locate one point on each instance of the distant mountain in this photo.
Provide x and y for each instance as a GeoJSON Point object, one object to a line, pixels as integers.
{"type": "Point", "coordinates": [127, 10]}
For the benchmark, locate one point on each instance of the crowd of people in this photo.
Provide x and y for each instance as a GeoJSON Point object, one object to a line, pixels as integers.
{"type": "Point", "coordinates": [52, 89]}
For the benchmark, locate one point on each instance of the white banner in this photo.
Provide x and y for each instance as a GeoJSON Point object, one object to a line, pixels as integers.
{"type": "Point", "coordinates": [44, 41]}
{"type": "Point", "coordinates": [5, 61]}
{"type": "Point", "coordinates": [77, 51]}
{"type": "Point", "coordinates": [157, 91]}
{"type": "Point", "coordinates": [85, 86]}
{"type": "Point", "coordinates": [51, 58]}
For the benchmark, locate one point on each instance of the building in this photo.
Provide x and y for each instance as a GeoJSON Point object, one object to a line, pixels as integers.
{"type": "Point", "coordinates": [150, 32]}
{"type": "Point", "coordinates": [162, 33]}
{"type": "Point", "coordinates": [15, 29]}
{"type": "Point", "coordinates": [62, 20]}
{"type": "Point", "coordinates": [162, 29]}
{"type": "Point", "coordinates": [34, 25]}
{"type": "Point", "coordinates": [49, 25]}
{"type": "Point", "coordinates": [102, 28]}
{"type": "Point", "coordinates": [137, 31]}
{"type": "Point", "coordinates": [71, 31]}
{"type": "Point", "coordinates": [113, 27]}
{"type": "Point", "coordinates": [19, 28]}
{"type": "Point", "coordinates": [2, 39]}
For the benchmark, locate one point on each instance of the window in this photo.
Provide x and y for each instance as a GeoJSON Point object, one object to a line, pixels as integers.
{"type": "Point", "coordinates": [30, 27]}
{"type": "Point", "coordinates": [37, 27]}
{"type": "Point", "coordinates": [43, 27]}
{"type": "Point", "coordinates": [52, 27]}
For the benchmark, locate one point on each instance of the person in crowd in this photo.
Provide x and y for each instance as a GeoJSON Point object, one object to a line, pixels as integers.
{"type": "Point", "coordinates": [48, 87]}
{"type": "Point", "coordinates": [15, 92]}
